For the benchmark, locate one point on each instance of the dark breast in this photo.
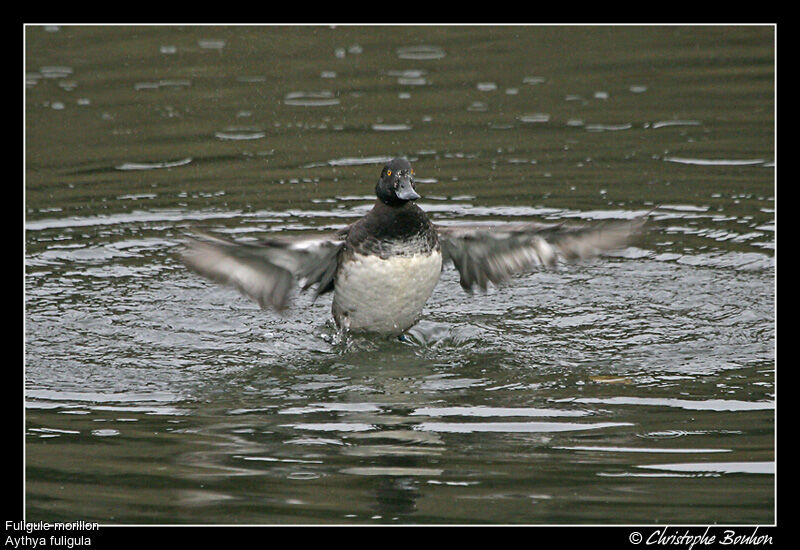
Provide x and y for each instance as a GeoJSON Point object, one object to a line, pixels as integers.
{"type": "Point", "coordinates": [388, 231]}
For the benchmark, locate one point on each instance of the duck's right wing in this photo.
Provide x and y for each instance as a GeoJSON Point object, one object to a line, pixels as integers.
{"type": "Point", "coordinates": [268, 270]}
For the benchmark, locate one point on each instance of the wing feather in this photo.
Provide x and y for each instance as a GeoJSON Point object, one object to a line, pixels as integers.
{"type": "Point", "coordinates": [483, 254]}
{"type": "Point", "coordinates": [265, 271]}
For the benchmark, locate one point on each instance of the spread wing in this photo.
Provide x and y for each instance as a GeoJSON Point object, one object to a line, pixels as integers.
{"type": "Point", "coordinates": [268, 270]}
{"type": "Point", "coordinates": [484, 253]}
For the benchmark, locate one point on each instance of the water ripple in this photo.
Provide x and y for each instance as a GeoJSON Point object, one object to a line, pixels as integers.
{"type": "Point", "coordinates": [535, 118]}
{"type": "Point", "coordinates": [311, 99]}
{"type": "Point", "coordinates": [715, 162]}
{"type": "Point", "coordinates": [608, 127]}
{"type": "Point", "coordinates": [687, 404]}
{"type": "Point", "coordinates": [240, 134]}
{"type": "Point", "coordinates": [676, 450]}
{"type": "Point", "coordinates": [514, 427]}
{"type": "Point", "coordinates": [717, 467]}
{"type": "Point", "coordinates": [390, 127]}
{"type": "Point", "coordinates": [487, 412]}
{"type": "Point", "coordinates": [153, 165]}
{"type": "Point", "coordinates": [668, 123]}
{"type": "Point", "coordinates": [421, 52]}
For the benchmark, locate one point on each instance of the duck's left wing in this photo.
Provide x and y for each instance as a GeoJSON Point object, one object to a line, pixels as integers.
{"type": "Point", "coordinates": [265, 271]}
{"type": "Point", "coordinates": [495, 253]}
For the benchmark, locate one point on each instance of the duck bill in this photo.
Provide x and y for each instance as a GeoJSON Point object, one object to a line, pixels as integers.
{"type": "Point", "coordinates": [405, 191]}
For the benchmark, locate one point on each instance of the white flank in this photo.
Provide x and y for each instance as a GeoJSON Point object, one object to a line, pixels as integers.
{"type": "Point", "coordinates": [384, 295]}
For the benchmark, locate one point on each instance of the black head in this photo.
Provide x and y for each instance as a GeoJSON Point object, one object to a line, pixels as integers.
{"type": "Point", "coordinates": [396, 186]}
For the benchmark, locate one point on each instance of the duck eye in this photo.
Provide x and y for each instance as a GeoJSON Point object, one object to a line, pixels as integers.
{"type": "Point", "coordinates": [388, 172]}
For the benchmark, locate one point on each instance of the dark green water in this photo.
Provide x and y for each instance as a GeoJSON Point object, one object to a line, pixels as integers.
{"type": "Point", "coordinates": [638, 388]}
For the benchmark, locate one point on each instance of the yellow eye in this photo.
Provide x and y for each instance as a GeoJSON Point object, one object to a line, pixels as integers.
{"type": "Point", "coordinates": [388, 172]}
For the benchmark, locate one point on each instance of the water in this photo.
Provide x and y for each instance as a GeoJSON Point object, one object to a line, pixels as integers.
{"type": "Point", "coordinates": [638, 388]}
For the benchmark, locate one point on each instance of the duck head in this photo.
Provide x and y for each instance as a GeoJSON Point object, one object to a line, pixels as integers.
{"type": "Point", "coordinates": [396, 186]}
